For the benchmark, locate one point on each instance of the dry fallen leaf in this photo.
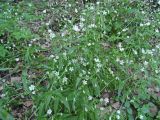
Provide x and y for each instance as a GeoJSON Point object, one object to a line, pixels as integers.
{"type": "Point", "coordinates": [15, 79]}
{"type": "Point", "coordinates": [116, 105]}
{"type": "Point", "coordinates": [153, 111]}
{"type": "Point", "coordinates": [158, 94]}
{"type": "Point", "coordinates": [28, 103]}
{"type": "Point", "coordinates": [1, 88]}
{"type": "Point", "coordinates": [105, 95]}
{"type": "Point", "coordinates": [106, 45]}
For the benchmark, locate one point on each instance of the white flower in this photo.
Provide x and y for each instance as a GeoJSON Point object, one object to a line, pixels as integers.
{"type": "Point", "coordinates": [56, 73]}
{"type": "Point", "coordinates": [118, 112]}
{"type": "Point", "coordinates": [76, 11]}
{"type": "Point", "coordinates": [121, 49]}
{"type": "Point", "coordinates": [143, 51]}
{"type": "Point", "coordinates": [89, 44]}
{"type": "Point", "coordinates": [57, 57]}
{"type": "Point", "coordinates": [92, 26]}
{"type": "Point", "coordinates": [29, 4]}
{"type": "Point", "coordinates": [157, 30]}
{"type": "Point", "coordinates": [106, 100]}
{"type": "Point", "coordinates": [99, 65]}
{"type": "Point", "coordinates": [74, 61]}
{"type": "Point", "coordinates": [51, 56]}
{"type": "Point", "coordinates": [84, 72]}
{"type": "Point", "coordinates": [84, 82]}
{"type": "Point", "coordinates": [142, 69]}
{"type": "Point", "coordinates": [135, 52]}
{"type": "Point", "coordinates": [111, 72]}
{"type": "Point", "coordinates": [17, 59]}
{"type": "Point", "coordinates": [47, 24]}
{"type": "Point", "coordinates": [104, 12]}
{"type": "Point", "coordinates": [143, 12]}
{"type": "Point", "coordinates": [121, 62]}
{"type": "Point", "coordinates": [125, 29]}
{"type": "Point", "coordinates": [55, 60]}
{"type": "Point", "coordinates": [117, 78]}
{"type": "Point", "coordinates": [159, 2]}
{"type": "Point", "coordinates": [97, 3]}
{"type": "Point", "coordinates": [158, 46]}
{"type": "Point", "coordinates": [141, 24]}
{"type": "Point", "coordinates": [65, 79]}
{"type": "Point", "coordinates": [145, 63]}
{"type": "Point", "coordinates": [156, 71]}
{"type": "Point", "coordinates": [44, 11]}
{"type": "Point", "coordinates": [82, 19]}
{"type": "Point", "coordinates": [120, 46]}
{"type": "Point", "coordinates": [90, 97]}
{"type": "Point", "coordinates": [98, 13]}
{"type": "Point", "coordinates": [76, 28]}
{"type": "Point", "coordinates": [118, 117]}
{"type": "Point", "coordinates": [86, 109]}
{"type": "Point", "coordinates": [117, 60]}
{"type": "Point", "coordinates": [69, 5]}
{"type": "Point", "coordinates": [64, 33]}
{"type": "Point", "coordinates": [96, 60]}
{"type": "Point", "coordinates": [102, 108]}
{"type": "Point", "coordinates": [65, 54]}
{"type": "Point", "coordinates": [84, 92]}
{"type": "Point", "coordinates": [141, 117]}
{"type": "Point", "coordinates": [71, 69]}
{"type": "Point", "coordinates": [81, 25]}
{"type": "Point", "coordinates": [33, 92]}
{"type": "Point", "coordinates": [49, 111]}
{"type": "Point", "coordinates": [61, 89]}
{"type": "Point", "coordinates": [31, 87]}
{"type": "Point", "coordinates": [91, 8]}
{"type": "Point", "coordinates": [148, 23]}
{"type": "Point", "coordinates": [50, 31]}
{"type": "Point", "coordinates": [3, 95]}
{"type": "Point", "coordinates": [101, 100]}
{"type": "Point", "coordinates": [52, 35]}
{"type": "Point", "coordinates": [97, 70]}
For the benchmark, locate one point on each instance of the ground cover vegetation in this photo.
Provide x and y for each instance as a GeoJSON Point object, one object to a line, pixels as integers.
{"type": "Point", "coordinates": [79, 60]}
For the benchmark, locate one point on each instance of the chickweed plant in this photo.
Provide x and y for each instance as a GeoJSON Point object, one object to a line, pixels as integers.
{"type": "Point", "coordinates": [67, 60]}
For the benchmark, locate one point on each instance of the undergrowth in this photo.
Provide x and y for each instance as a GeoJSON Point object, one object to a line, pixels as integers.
{"type": "Point", "coordinates": [72, 61]}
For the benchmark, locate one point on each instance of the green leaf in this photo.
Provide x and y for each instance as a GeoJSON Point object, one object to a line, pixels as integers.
{"type": "Point", "coordinates": [40, 109]}
{"type": "Point", "coordinates": [4, 115]}
{"type": "Point", "coordinates": [66, 104]}
{"type": "Point", "coordinates": [56, 104]}
{"type": "Point", "coordinates": [25, 80]}
{"type": "Point", "coordinates": [127, 104]}
{"type": "Point", "coordinates": [77, 82]}
{"type": "Point", "coordinates": [3, 51]}
{"type": "Point", "coordinates": [129, 110]}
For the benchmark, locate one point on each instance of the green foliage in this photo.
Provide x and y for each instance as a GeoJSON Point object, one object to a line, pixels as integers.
{"type": "Point", "coordinates": [3, 52]}
{"type": "Point", "coordinates": [70, 57]}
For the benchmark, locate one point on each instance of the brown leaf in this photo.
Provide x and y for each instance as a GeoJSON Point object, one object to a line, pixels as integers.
{"type": "Point", "coordinates": [116, 105]}
{"type": "Point", "coordinates": [130, 71]}
{"type": "Point", "coordinates": [1, 88]}
{"type": "Point", "coordinates": [105, 95]}
{"type": "Point", "coordinates": [106, 45]}
{"type": "Point", "coordinates": [28, 103]}
{"type": "Point", "coordinates": [15, 79]}
{"type": "Point", "coordinates": [153, 111]}
{"type": "Point", "coordinates": [158, 94]}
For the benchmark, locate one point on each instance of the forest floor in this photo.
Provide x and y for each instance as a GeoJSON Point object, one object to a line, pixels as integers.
{"type": "Point", "coordinates": [79, 61]}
